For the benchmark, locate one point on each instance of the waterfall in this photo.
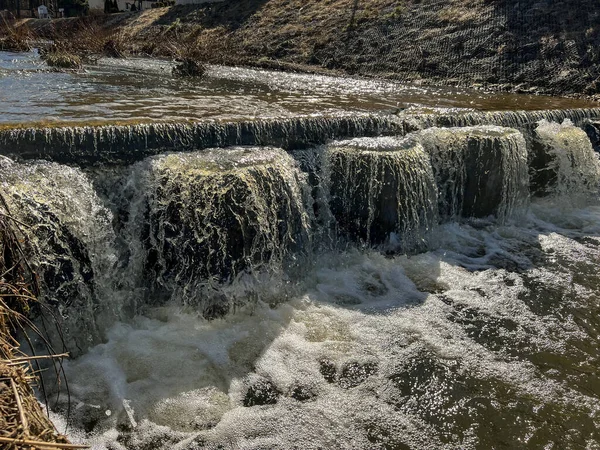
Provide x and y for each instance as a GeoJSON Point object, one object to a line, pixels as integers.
{"type": "Point", "coordinates": [563, 161]}
{"type": "Point", "coordinates": [129, 143]}
{"type": "Point", "coordinates": [510, 119]}
{"type": "Point", "coordinates": [180, 227]}
{"type": "Point", "coordinates": [382, 189]}
{"type": "Point", "coordinates": [353, 281]}
{"type": "Point", "coordinates": [70, 244]}
{"type": "Point", "coordinates": [210, 217]}
{"type": "Point", "coordinates": [479, 171]}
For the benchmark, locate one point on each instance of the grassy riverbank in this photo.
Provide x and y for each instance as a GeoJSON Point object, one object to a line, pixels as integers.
{"type": "Point", "coordinates": [506, 45]}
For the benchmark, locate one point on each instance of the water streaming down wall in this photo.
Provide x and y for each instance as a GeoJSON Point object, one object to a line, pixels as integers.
{"type": "Point", "coordinates": [562, 161]}
{"type": "Point", "coordinates": [512, 119]}
{"type": "Point", "coordinates": [206, 218]}
{"type": "Point", "coordinates": [382, 190]}
{"type": "Point", "coordinates": [479, 171]}
{"type": "Point", "coordinates": [118, 144]}
{"type": "Point", "coordinates": [71, 244]}
{"type": "Point", "coordinates": [185, 224]}
{"type": "Point", "coordinates": [129, 143]}
{"type": "Point", "coordinates": [418, 340]}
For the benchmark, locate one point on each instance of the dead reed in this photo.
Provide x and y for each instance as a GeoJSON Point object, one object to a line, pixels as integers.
{"type": "Point", "coordinates": [14, 38]}
{"type": "Point", "coordinates": [23, 422]}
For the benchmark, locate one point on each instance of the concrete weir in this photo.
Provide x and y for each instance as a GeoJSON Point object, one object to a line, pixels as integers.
{"type": "Point", "coordinates": [524, 120]}
{"type": "Point", "coordinates": [131, 226]}
{"type": "Point", "coordinates": [562, 160]}
{"type": "Point", "coordinates": [215, 214]}
{"type": "Point", "coordinates": [380, 187]}
{"type": "Point", "coordinates": [125, 144]}
{"type": "Point", "coordinates": [122, 144]}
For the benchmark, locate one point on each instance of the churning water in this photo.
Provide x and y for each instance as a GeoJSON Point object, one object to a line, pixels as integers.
{"type": "Point", "coordinates": [434, 290]}
{"type": "Point", "coordinates": [489, 341]}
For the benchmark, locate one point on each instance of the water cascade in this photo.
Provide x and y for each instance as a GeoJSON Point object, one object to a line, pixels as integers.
{"type": "Point", "coordinates": [382, 188]}
{"type": "Point", "coordinates": [362, 349]}
{"type": "Point", "coordinates": [563, 161]}
{"type": "Point", "coordinates": [522, 120]}
{"type": "Point", "coordinates": [72, 244]}
{"type": "Point", "coordinates": [479, 171]}
{"type": "Point", "coordinates": [212, 216]}
{"type": "Point", "coordinates": [128, 143]}
{"type": "Point", "coordinates": [118, 144]}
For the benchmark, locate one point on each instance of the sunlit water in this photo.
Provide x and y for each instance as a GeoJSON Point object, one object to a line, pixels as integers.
{"type": "Point", "coordinates": [489, 340]}
{"type": "Point", "coordinates": [138, 89]}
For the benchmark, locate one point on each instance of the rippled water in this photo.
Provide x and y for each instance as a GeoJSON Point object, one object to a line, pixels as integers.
{"type": "Point", "coordinates": [490, 338]}
{"type": "Point", "coordinates": [138, 89]}
{"type": "Point", "coordinates": [488, 341]}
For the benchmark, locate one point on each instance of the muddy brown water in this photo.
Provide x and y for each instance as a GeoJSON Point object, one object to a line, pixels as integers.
{"type": "Point", "coordinates": [143, 89]}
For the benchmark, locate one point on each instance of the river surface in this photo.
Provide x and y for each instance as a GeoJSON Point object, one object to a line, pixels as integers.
{"type": "Point", "coordinates": [488, 338]}
{"type": "Point", "coordinates": [144, 90]}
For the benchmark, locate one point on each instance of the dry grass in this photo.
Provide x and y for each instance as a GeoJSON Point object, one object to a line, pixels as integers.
{"type": "Point", "coordinates": [63, 60]}
{"type": "Point", "coordinates": [23, 422]}
{"type": "Point", "coordinates": [15, 38]}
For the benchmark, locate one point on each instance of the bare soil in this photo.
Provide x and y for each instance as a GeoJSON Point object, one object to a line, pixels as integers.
{"type": "Point", "coordinates": [538, 46]}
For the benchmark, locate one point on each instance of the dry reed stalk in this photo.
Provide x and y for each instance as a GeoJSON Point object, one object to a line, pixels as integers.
{"type": "Point", "coordinates": [23, 422]}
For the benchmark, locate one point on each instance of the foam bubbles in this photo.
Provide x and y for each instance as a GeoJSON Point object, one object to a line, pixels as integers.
{"type": "Point", "coordinates": [489, 338]}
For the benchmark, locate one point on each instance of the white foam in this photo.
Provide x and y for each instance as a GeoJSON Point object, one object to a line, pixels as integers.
{"type": "Point", "coordinates": [454, 309]}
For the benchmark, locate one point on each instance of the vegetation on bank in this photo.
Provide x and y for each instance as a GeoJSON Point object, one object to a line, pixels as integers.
{"type": "Point", "coordinates": [14, 38]}
{"type": "Point", "coordinates": [534, 47]}
{"type": "Point", "coordinates": [23, 422]}
{"type": "Point", "coordinates": [63, 60]}
{"type": "Point", "coordinates": [86, 40]}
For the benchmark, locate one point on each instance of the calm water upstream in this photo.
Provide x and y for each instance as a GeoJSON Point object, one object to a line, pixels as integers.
{"type": "Point", "coordinates": [327, 334]}
{"type": "Point", "coordinates": [140, 89]}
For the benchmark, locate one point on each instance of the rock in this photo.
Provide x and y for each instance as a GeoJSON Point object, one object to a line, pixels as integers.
{"type": "Point", "coordinates": [592, 129]}
{"type": "Point", "coordinates": [189, 67]}
{"type": "Point", "coordinates": [328, 370]}
{"type": "Point", "coordinates": [302, 393]}
{"type": "Point", "coordinates": [261, 392]}
{"type": "Point", "coordinates": [355, 373]}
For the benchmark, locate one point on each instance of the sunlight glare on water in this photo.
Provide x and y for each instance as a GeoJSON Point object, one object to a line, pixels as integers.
{"type": "Point", "coordinates": [142, 89]}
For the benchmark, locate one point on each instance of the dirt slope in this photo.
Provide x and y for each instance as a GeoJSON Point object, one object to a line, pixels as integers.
{"type": "Point", "coordinates": [548, 46]}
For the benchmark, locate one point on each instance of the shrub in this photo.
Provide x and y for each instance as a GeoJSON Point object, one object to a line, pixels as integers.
{"type": "Point", "coordinates": [189, 67]}
{"type": "Point", "coordinates": [15, 38]}
{"type": "Point", "coordinates": [63, 60]}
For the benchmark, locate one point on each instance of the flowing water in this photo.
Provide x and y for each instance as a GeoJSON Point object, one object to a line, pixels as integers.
{"type": "Point", "coordinates": [143, 90]}
{"type": "Point", "coordinates": [425, 290]}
